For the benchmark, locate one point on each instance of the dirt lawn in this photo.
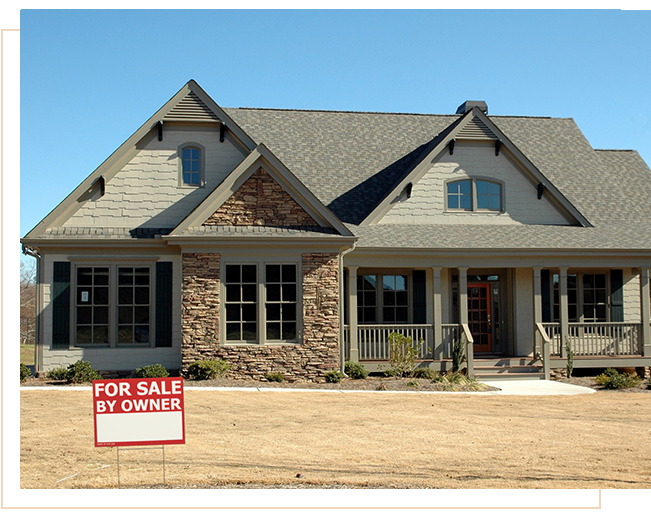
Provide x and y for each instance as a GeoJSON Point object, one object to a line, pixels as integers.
{"type": "Point", "coordinates": [377, 440]}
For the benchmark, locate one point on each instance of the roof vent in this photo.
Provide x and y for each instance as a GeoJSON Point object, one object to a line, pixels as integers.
{"type": "Point", "coordinates": [469, 105]}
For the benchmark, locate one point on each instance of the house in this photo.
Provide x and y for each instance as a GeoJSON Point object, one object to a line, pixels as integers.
{"type": "Point", "coordinates": [288, 240]}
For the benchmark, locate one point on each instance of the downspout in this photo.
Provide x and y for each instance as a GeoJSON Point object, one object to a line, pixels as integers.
{"type": "Point", "coordinates": [38, 363]}
{"type": "Point", "coordinates": [342, 355]}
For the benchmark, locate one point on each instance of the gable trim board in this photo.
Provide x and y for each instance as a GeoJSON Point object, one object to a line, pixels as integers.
{"type": "Point", "coordinates": [421, 167]}
{"type": "Point", "coordinates": [273, 198]}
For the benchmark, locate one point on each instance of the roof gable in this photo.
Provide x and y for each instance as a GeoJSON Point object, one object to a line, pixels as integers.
{"type": "Point", "coordinates": [474, 125]}
{"type": "Point", "coordinates": [189, 104]}
{"type": "Point", "coordinates": [261, 191]}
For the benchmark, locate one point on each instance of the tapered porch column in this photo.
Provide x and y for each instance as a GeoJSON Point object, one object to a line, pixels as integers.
{"type": "Point", "coordinates": [645, 288]}
{"type": "Point", "coordinates": [437, 349]}
{"type": "Point", "coordinates": [563, 313]}
{"type": "Point", "coordinates": [352, 314]}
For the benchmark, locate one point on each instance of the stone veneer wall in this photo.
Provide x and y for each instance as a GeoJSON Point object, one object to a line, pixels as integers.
{"type": "Point", "coordinates": [319, 352]}
{"type": "Point", "coordinates": [260, 201]}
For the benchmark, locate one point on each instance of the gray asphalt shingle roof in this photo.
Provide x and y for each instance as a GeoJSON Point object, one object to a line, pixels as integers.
{"type": "Point", "coordinates": [352, 160]}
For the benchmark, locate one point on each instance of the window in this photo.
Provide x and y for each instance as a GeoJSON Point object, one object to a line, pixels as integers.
{"type": "Point", "coordinates": [268, 295]}
{"type": "Point", "coordinates": [281, 302]}
{"type": "Point", "coordinates": [459, 195]}
{"type": "Point", "coordinates": [388, 304]}
{"type": "Point", "coordinates": [587, 297]}
{"type": "Point", "coordinates": [241, 303]}
{"type": "Point", "coordinates": [366, 299]}
{"type": "Point", "coordinates": [133, 304]}
{"type": "Point", "coordinates": [191, 165]}
{"type": "Point", "coordinates": [113, 305]}
{"type": "Point", "coordinates": [474, 195]}
{"type": "Point", "coordinates": [92, 305]}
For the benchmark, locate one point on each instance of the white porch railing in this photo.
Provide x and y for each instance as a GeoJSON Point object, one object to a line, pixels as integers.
{"type": "Point", "coordinates": [597, 339]}
{"type": "Point", "coordinates": [373, 340]}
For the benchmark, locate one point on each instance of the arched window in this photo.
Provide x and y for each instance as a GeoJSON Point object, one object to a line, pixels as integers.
{"type": "Point", "coordinates": [191, 158]}
{"type": "Point", "coordinates": [473, 195]}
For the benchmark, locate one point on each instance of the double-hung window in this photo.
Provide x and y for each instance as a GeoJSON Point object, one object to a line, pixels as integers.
{"type": "Point", "coordinates": [474, 195]}
{"type": "Point", "coordinates": [261, 303]}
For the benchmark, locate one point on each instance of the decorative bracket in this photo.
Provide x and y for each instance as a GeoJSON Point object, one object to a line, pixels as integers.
{"type": "Point", "coordinates": [160, 131]}
{"type": "Point", "coordinates": [541, 189]}
{"type": "Point", "coordinates": [222, 132]}
{"type": "Point", "coordinates": [498, 146]}
{"type": "Point", "coordinates": [451, 146]}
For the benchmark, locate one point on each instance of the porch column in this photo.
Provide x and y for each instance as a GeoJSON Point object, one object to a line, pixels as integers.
{"type": "Point", "coordinates": [540, 346]}
{"type": "Point", "coordinates": [437, 348]}
{"type": "Point", "coordinates": [537, 309]}
{"type": "Point", "coordinates": [463, 317]}
{"type": "Point", "coordinates": [352, 314]}
{"type": "Point", "coordinates": [645, 288]}
{"type": "Point", "coordinates": [563, 310]}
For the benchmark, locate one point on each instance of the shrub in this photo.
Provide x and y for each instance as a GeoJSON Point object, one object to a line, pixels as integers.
{"type": "Point", "coordinates": [402, 355]}
{"type": "Point", "coordinates": [424, 373]}
{"type": "Point", "coordinates": [457, 378]}
{"type": "Point", "coordinates": [208, 369]}
{"type": "Point", "coordinates": [25, 373]}
{"type": "Point", "coordinates": [413, 383]}
{"type": "Point", "coordinates": [81, 371]}
{"type": "Point", "coordinates": [355, 370]}
{"type": "Point", "coordinates": [648, 384]}
{"type": "Point", "coordinates": [59, 373]}
{"type": "Point", "coordinates": [275, 377]}
{"type": "Point", "coordinates": [334, 376]}
{"type": "Point", "coordinates": [457, 354]}
{"type": "Point", "coordinates": [570, 359]}
{"type": "Point", "coordinates": [152, 371]}
{"type": "Point", "coordinates": [612, 379]}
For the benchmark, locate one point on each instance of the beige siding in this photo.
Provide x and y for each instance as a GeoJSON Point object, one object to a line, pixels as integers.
{"type": "Point", "coordinates": [147, 191]}
{"type": "Point", "coordinates": [523, 310]}
{"type": "Point", "coordinates": [427, 202]}
{"type": "Point", "coordinates": [632, 303]}
{"type": "Point", "coordinates": [109, 358]}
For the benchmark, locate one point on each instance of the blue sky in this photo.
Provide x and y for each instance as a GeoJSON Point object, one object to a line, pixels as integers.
{"type": "Point", "coordinates": [89, 79]}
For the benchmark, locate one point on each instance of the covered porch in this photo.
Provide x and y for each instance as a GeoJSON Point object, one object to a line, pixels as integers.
{"type": "Point", "coordinates": [531, 315]}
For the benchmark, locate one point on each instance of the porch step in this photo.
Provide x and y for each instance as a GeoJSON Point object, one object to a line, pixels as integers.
{"type": "Point", "coordinates": [512, 368]}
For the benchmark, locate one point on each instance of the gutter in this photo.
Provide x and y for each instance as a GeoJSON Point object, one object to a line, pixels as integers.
{"type": "Point", "coordinates": [38, 346]}
{"type": "Point", "coordinates": [342, 355]}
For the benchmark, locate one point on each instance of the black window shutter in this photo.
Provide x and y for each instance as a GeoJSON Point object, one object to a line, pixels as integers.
{"type": "Point", "coordinates": [61, 305]}
{"type": "Point", "coordinates": [164, 304]}
{"type": "Point", "coordinates": [616, 295]}
{"type": "Point", "coordinates": [420, 296]}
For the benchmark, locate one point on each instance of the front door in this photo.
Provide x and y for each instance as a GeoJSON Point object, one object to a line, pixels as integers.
{"type": "Point", "coordinates": [479, 316]}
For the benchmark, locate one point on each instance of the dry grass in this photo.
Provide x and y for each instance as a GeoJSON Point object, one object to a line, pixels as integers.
{"type": "Point", "coordinates": [377, 440]}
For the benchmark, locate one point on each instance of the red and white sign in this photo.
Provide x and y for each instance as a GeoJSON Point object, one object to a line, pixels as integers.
{"type": "Point", "coordinates": [131, 412]}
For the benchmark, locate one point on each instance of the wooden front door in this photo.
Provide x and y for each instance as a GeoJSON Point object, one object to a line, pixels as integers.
{"type": "Point", "coordinates": [479, 316]}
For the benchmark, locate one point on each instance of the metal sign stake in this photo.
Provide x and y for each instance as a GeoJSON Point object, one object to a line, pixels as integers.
{"type": "Point", "coordinates": [162, 447]}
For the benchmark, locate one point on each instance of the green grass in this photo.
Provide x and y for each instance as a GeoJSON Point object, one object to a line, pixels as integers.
{"type": "Point", "coordinates": [27, 354]}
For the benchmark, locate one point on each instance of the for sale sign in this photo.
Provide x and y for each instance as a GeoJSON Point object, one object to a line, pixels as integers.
{"type": "Point", "coordinates": [132, 412]}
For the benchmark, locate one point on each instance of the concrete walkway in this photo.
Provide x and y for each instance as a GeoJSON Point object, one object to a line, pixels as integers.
{"type": "Point", "coordinates": [534, 387]}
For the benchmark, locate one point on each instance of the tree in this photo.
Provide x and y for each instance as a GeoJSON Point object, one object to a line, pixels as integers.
{"type": "Point", "coordinates": [27, 302]}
